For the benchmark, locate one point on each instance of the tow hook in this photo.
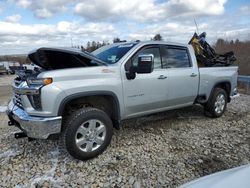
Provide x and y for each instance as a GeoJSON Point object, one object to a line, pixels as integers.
{"type": "Point", "coordinates": [11, 123]}
{"type": "Point", "coordinates": [23, 135]}
{"type": "Point", "coordinates": [20, 135]}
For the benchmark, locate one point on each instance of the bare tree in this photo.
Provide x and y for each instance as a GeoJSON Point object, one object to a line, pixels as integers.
{"type": "Point", "coordinates": [157, 37]}
{"type": "Point", "coordinates": [241, 51]}
{"type": "Point", "coordinates": [116, 40]}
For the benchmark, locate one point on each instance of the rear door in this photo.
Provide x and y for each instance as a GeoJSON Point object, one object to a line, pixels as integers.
{"type": "Point", "coordinates": [183, 75]}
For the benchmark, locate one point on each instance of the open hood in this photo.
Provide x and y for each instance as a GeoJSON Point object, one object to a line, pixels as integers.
{"type": "Point", "coordinates": [58, 58]}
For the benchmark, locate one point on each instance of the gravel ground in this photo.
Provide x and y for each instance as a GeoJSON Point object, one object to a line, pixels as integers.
{"type": "Point", "coordinates": [6, 79]}
{"type": "Point", "coordinates": [5, 88]}
{"type": "Point", "coordinates": [162, 150]}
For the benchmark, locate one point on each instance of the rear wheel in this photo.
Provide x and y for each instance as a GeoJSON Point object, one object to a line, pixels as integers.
{"type": "Point", "coordinates": [217, 103]}
{"type": "Point", "coordinates": [88, 133]}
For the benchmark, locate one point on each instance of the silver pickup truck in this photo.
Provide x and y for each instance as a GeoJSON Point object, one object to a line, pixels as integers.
{"type": "Point", "coordinates": [81, 97]}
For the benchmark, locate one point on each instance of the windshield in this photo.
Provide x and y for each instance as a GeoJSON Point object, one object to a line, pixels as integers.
{"type": "Point", "coordinates": [113, 53]}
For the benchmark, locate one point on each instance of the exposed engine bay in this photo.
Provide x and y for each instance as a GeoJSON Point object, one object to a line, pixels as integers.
{"type": "Point", "coordinates": [57, 58]}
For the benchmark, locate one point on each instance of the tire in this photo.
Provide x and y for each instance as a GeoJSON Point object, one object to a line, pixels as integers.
{"type": "Point", "coordinates": [217, 103]}
{"type": "Point", "coordinates": [87, 133]}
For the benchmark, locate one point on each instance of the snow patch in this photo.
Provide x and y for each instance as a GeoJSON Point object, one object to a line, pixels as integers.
{"type": "Point", "coordinates": [235, 96]}
{"type": "Point", "coordinates": [3, 108]}
{"type": "Point", "coordinates": [49, 175]}
{"type": "Point", "coordinates": [9, 153]}
{"type": "Point", "coordinates": [5, 156]}
{"type": "Point", "coordinates": [6, 135]}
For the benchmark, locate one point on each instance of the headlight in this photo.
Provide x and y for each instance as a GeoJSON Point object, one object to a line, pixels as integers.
{"type": "Point", "coordinates": [39, 81]}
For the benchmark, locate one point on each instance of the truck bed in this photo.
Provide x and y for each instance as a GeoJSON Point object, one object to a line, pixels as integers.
{"type": "Point", "coordinates": [210, 76]}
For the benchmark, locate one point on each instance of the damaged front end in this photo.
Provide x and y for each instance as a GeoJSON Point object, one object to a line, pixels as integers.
{"type": "Point", "coordinates": [28, 86]}
{"type": "Point", "coordinates": [27, 95]}
{"type": "Point", "coordinates": [32, 126]}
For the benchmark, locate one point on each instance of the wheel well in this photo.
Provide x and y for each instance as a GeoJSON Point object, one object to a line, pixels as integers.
{"type": "Point", "coordinates": [226, 86]}
{"type": "Point", "coordinates": [106, 103]}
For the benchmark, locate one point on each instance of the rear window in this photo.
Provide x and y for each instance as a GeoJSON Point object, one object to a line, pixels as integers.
{"type": "Point", "coordinates": [176, 58]}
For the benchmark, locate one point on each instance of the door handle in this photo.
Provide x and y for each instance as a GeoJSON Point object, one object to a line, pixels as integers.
{"type": "Point", "coordinates": [193, 75]}
{"type": "Point", "coordinates": [161, 77]}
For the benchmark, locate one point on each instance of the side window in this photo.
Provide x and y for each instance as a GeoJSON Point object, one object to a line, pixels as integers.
{"type": "Point", "coordinates": [151, 50]}
{"type": "Point", "coordinates": [176, 58]}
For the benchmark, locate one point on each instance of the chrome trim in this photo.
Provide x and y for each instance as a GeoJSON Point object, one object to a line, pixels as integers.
{"type": "Point", "coordinates": [33, 126]}
{"type": "Point", "coordinates": [24, 89]}
{"type": "Point", "coordinates": [17, 100]}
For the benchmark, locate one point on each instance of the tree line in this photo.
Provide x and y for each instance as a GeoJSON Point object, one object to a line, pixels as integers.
{"type": "Point", "coordinates": [93, 45]}
{"type": "Point", "coordinates": [241, 50]}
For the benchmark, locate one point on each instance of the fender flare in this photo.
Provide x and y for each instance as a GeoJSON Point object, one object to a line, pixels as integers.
{"type": "Point", "coordinates": [69, 98]}
{"type": "Point", "coordinates": [218, 83]}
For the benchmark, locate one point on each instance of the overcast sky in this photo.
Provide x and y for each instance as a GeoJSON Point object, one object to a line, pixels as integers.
{"type": "Point", "coordinates": [27, 24]}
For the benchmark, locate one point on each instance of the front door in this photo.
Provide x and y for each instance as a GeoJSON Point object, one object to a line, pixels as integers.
{"type": "Point", "coordinates": [147, 92]}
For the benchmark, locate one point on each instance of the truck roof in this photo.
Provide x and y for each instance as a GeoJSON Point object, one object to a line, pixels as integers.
{"type": "Point", "coordinates": [162, 42]}
{"type": "Point", "coordinates": [142, 43]}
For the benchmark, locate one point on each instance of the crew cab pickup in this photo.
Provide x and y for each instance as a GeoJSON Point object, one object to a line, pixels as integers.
{"type": "Point", "coordinates": [82, 96]}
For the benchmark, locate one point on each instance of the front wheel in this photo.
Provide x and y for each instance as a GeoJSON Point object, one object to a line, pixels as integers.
{"type": "Point", "coordinates": [88, 133]}
{"type": "Point", "coordinates": [217, 103]}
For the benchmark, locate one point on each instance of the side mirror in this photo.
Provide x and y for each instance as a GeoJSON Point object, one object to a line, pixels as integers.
{"type": "Point", "coordinates": [145, 64]}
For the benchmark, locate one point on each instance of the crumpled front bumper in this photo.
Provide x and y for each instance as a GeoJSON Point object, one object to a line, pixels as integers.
{"type": "Point", "coordinates": [33, 126]}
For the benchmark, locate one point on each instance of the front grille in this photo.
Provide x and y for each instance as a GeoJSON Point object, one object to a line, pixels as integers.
{"type": "Point", "coordinates": [18, 100]}
{"type": "Point", "coordinates": [35, 100]}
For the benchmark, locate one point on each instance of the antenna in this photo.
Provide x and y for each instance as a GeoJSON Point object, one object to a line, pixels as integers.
{"type": "Point", "coordinates": [71, 41]}
{"type": "Point", "coordinates": [197, 29]}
